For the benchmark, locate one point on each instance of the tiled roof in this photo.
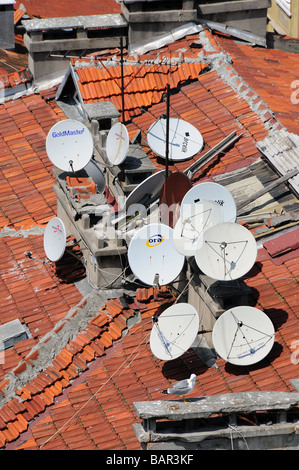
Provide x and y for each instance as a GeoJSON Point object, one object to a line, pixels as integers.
{"type": "Point", "coordinates": [26, 178]}
{"type": "Point", "coordinates": [272, 74]}
{"type": "Point", "coordinates": [145, 79]}
{"type": "Point", "coordinates": [57, 9]}
{"type": "Point", "coordinates": [83, 398]}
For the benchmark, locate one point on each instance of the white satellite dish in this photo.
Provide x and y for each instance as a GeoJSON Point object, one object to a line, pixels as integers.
{"type": "Point", "coordinates": [147, 191]}
{"type": "Point", "coordinates": [152, 255]}
{"type": "Point", "coordinates": [243, 335]}
{"type": "Point", "coordinates": [55, 239]}
{"type": "Point", "coordinates": [117, 145]}
{"type": "Point", "coordinates": [212, 192]}
{"type": "Point", "coordinates": [184, 139]}
{"type": "Point", "coordinates": [174, 331]}
{"type": "Point", "coordinates": [69, 145]}
{"type": "Point", "coordinates": [192, 224]}
{"type": "Point", "coordinates": [95, 172]}
{"type": "Point", "coordinates": [228, 251]}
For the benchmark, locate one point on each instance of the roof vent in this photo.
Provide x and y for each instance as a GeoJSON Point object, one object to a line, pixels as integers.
{"type": "Point", "coordinates": [11, 333]}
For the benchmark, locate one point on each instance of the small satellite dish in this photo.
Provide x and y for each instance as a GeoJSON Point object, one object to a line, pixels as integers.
{"type": "Point", "coordinates": [213, 192]}
{"type": "Point", "coordinates": [152, 255]}
{"type": "Point", "coordinates": [243, 335]}
{"type": "Point", "coordinates": [174, 331]}
{"type": "Point", "coordinates": [117, 145]}
{"type": "Point", "coordinates": [147, 191]}
{"type": "Point", "coordinates": [195, 220]}
{"type": "Point", "coordinates": [69, 145]}
{"type": "Point", "coordinates": [55, 239]}
{"type": "Point", "coordinates": [228, 251]}
{"type": "Point", "coordinates": [184, 139]}
{"type": "Point", "coordinates": [95, 172]}
{"type": "Point", "coordinates": [173, 190]}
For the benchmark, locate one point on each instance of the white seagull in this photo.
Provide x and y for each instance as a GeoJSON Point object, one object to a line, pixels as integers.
{"type": "Point", "coordinates": [182, 387]}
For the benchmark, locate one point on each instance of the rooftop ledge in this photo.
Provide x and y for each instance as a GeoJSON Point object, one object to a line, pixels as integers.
{"type": "Point", "coordinates": [76, 22]}
{"type": "Point", "coordinates": [204, 407]}
{"type": "Point", "coordinates": [237, 5]}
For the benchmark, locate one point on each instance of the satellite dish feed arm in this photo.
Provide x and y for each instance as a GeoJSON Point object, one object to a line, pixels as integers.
{"type": "Point", "coordinates": [213, 152]}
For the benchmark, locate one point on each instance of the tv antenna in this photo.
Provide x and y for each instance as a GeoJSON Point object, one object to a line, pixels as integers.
{"type": "Point", "coordinates": [55, 239]}
{"type": "Point", "coordinates": [215, 192]}
{"type": "Point", "coordinates": [243, 335]}
{"type": "Point", "coordinates": [174, 331]}
{"type": "Point", "coordinates": [152, 256]}
{"type": "Point", "coordinates": [69, 145]}
{"type": "Point", "coordinates": [192, 224]}
{"type": "Point", "coordinates": [227, 252]}
{"type": "Point", "coordinates": [117, 145]}
{"type": "Point", "coordinates": [184, 139]}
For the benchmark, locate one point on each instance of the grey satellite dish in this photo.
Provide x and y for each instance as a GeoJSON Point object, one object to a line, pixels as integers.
{"type": "Point", "coordinates": [228, 251]}
{"type": "Point", "coordinates": [185, 140]}
{"type": "Point", "coordinates": [243, 335]}
{"type": "Point", "coordinates": [152, 255]}
{"type": "Point", "coordinates": [55, 239]}
{"type": "Point", "coordinates": [117, 145]}
{"type": "Point", "coordinates": [95, 172]}
{"type": "Point", "coordinates": [174, 331]}
{"type": "Point", "coordinates": [212, 192]}
{"type": "Point", "coordinates": [148, 191]}
{"type": "Point", "coordinates": [69, 145]}
{"type": "Point", "coordinates": [192, 224]}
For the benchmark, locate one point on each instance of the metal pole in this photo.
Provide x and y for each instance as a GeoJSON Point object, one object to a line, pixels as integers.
{"type": "Point", "coordinates": [122, 79]}
{"type": "Point", "coordinates": [167, 132]}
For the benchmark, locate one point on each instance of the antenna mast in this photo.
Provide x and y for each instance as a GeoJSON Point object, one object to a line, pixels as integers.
{"type": "Point", "coordinates": [167, 131]}
{"type": "Point", "coordinates": [122, 79]}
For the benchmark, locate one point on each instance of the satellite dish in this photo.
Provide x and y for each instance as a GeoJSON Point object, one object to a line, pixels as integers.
{"type": "Point", "coordinates": [95, 172]}
{"type": "Point", "coordinates": [55, 239]}
{"type": "Point", "coordinates": [243, 335]}
{"type": "Point", "coordinates": [69, 145]}
{"type": "Point", "coordinates": [173, 190]}
{"type": "Point", "coordinates": [190, 227]}
{"type": "Point", "coordinates": [152, 255]}
{"type": "Point", "coordinates": [174, 331]}
{"type": "Point", "coordinates": [184, 139]}
{"type": "Point", "coordinates": [227, 251]}
{"type": "Point", "coordinates": [147, 191]}
{"type": "Point", "coordinates": [117, 145]}
{"type": "Point", "coordinates": [212, 192]}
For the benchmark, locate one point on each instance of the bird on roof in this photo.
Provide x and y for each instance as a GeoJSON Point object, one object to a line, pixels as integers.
{"type": "Point", "coordinates": [182, 387]}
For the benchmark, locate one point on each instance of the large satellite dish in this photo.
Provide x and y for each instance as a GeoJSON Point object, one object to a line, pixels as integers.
{"type": "Point", "coordinates": [243, 335]}
{"type": "Point", "coordinates": [190, 227]}
{"type": "Point", "coordinates": [228, 251]}
{"type": "Point", "coordinates": [117, 145]}
{"type": "Point", "coordinates": [173, 190]}
{"type": "Point", "coordinates": [147, 191]}
{"type": "Point", "coordinates": [174, 331]}
{"type": "Point", "coordinates": [213, 192]}
{"type": "Point", "coordinates": [55, 239]}
{"type": "Point", "coordinates": [152, 255]}
{"type": "Point", "coordinates": [69, 145]}
{"type": "Point", "coordinates": [95, 172]}
{"type": "Point", "coordinates": [185, 140]}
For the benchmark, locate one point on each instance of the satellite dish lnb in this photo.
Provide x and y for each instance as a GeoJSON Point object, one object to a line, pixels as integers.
{"type": "Point", "coordinates": [152, 255]}
{"type": "Point", "coordinates": [55, 239]}
{"type": "Point", "coordinates": [117, 145]}
{"type": "Point", "coordinates": [185, 140]}
{"type": "Point", "coordinates": [243, 335]}
{"type": "Point", "coordinates": [174, 331]}
{"type": "Point", "coordinates": [69, 145]}
{"type": "Point", "coordinates": [227, 251]}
